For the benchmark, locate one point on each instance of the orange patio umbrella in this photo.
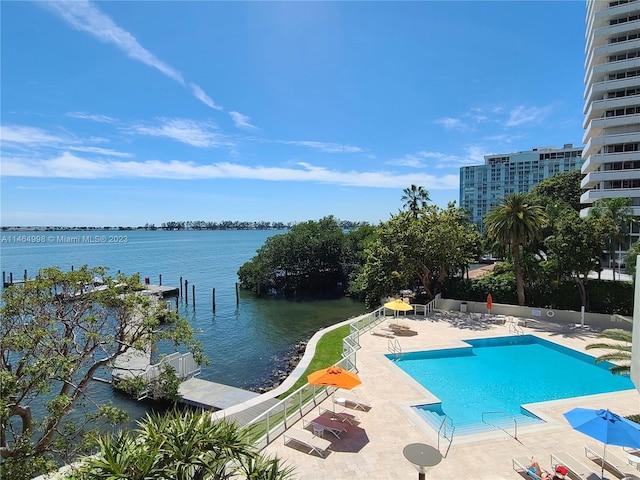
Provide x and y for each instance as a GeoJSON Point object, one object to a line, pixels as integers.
{"type": "Point", "coordinates": [489, 302]}
{"type": "Point", "coordinates": [334, 377]}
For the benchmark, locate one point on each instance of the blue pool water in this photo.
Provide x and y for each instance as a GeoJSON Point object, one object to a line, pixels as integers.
{"type": "Point", "coordinates": [501, 374]}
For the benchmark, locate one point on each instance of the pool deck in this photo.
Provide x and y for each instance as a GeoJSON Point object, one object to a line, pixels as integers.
{"type": "Point", "coordinates": [373, 448]}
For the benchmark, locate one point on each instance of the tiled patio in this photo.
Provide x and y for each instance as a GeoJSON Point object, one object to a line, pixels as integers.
{"type": "Point", "coordinates": [373, 448]}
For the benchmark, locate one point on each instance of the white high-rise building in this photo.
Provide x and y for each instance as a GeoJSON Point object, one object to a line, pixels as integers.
{"type": "Point", "coordinates": [611, 152]}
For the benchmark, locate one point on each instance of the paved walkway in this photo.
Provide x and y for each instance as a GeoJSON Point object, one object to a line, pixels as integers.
{"type": "Point", "coordinates": [373, 449]}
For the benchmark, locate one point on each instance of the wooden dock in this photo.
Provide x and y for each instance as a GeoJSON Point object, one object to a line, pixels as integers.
{"type": "Point", "coordinates": [212, 395]}
{"type": "Point", "coordinates": [161, 291]}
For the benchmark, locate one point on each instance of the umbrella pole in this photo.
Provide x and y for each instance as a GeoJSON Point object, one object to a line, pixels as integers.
{"type": "Point", "coordinates": [604, 455]}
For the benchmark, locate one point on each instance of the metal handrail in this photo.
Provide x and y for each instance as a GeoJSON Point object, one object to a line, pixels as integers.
{"type": "Point", "coordinates": [516, 329]}
{"type": "Point", "coordinates": [444, 425]}
{"type": "Point", "coordinates": [504, 414]}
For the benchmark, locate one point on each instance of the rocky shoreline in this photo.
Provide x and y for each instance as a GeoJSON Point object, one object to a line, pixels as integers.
{"type": "Point", "coordinates": [283, 366]}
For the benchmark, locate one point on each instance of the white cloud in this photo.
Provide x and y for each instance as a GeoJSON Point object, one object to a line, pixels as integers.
{"type": "Point", "coordinates": [452, 123]}
{"type": "Point", "coordinates": [86, 17]}
{"type": "Point", "coordinates": [17, 137]}
{"type": "Point", "coordinates": [196, 134]}
{"type": "Point", "coordinates": [521, 115]}
{"type": "Point", "coordinates": [200, 94]}
{"type": "Point", "coordinates": [68, 165]}
{"type": "Point", "coordinates": [90, 116]}
{"type": "Point", "coordinates": [241, 121]}
{"type": "Point", "coordinates": [325, 147]}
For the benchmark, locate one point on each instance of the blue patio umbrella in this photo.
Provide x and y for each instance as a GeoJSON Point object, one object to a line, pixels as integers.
{"type": "Point", "coordinates": [606, 427]}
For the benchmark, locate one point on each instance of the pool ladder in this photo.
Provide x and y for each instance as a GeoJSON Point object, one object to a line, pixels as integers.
{"type": "Point", "coordinates": [503, 415]}
{"type": "Point", "coordinates": [447, 423]}
{"type": "Point", "coordinates": [394, 347]}
{"type": "Point", "coordinates": [515, 329]}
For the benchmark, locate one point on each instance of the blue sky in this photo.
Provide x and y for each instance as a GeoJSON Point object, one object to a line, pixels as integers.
{"type": "Point", "coordinates": [126, 113]}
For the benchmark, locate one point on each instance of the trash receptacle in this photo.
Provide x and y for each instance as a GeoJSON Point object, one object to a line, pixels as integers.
{"type": "Point", "coordinates": [463, 307]}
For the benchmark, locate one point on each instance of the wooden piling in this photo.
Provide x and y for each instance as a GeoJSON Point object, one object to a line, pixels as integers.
{"type": "Point", "coordinates": [4, 280]}
{"type": "Point", "coordinates": [10, 278]}
{"type": "Point", "coordinates": [160, 280]}
{"type": "Point", "coordinates": [186, 291]}
{"type": "Point", "coordinates": [176, 303]}
{"type": "Point", "coordinates": [193, 295]}
{"type": "Point", "coordinates": [213, 300]}
{"type": "Point", "coordinates": [180, 286]}
{"type": "Point", "coordinates": [25, 275]}
{"type": "Point", "coordinates": [237, 294]}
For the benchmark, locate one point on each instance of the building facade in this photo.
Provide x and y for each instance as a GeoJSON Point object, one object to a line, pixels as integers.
{"type": "Point", "coordinates": [482, 186]}
{"type": "Point", "coordinates": [611, 153]}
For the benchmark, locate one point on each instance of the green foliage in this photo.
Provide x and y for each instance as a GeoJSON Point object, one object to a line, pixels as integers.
{"type": "Point", "coordinates": [558, 192]}
{"type": "Point", "coordinates": [56, 334]}
{"type": "Point", "coordinates": [313, 259]}
{"type": "Point", "coordinates": [618, 350]}
{"type": "Point", "coordinates": [180, 446]}
{"type": "Point", "coordinates": [415, 198]}
{"type": "Point", "coordinates": [424, 250]}
{"type": "Point", "coordinates": [514, 223]}
{"type": "Point", "coordinates": [631, 258]}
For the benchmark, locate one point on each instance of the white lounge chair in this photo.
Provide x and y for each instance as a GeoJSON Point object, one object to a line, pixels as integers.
{"type": "Point", "coordinates": [342, 415]}
{"type": "Point", "coordinates": [359, 403]}
{"type": "Point", "coordinates": [520, 465]}
{"type": "Point", "coordinates": [616, 465]}
{"type": "Point", "coordinates": [308, 439]}
{"type": "Point", "coordinates": [576, 467]}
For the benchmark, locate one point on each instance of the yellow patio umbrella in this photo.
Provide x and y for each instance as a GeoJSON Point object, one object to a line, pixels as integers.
{"type": "Point", "coordinates": [398, 306]}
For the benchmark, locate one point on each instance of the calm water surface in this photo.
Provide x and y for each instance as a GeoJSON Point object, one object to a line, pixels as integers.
{"type": "Point", "coordinates": [240, 340]}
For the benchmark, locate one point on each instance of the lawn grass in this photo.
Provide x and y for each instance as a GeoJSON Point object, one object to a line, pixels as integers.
{"type": "Point", "coordinates": [328, 352]}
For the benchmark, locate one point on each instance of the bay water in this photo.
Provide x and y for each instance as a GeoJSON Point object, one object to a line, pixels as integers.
{"type": "Point", "coordinates": [243, 340]}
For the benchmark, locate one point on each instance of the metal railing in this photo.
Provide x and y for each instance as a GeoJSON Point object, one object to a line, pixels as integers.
{"type": "Point", "coordinates": [442, 432]}
{"type": "Point", "coordinates": [515, 329]}
{"type": "Point", "coordinates": [394, 347]}
{"type": "Point", "coordinates": [502, 414]}
{"type": "Point", "coordinates": [272, 423]}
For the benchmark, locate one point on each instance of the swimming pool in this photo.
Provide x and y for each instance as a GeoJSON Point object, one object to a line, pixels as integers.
{"type": "Point", "coordinates": [502, 373]}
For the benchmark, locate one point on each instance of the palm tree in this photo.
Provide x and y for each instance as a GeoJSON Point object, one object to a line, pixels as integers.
{"type": "Point", "coordinates": [514, 223]}
{"type": "Point", "coordinates": [415, 198]}
{"type": "Point", "coordinates": [181, 446]}
{"type": "Point", "coordinates": [619, 352]}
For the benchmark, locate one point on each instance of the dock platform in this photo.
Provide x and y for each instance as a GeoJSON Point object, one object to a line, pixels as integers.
{"type": "Point", "coordinates": [161, 291]}
{"type": "Point", "coordinates": [206, 394]}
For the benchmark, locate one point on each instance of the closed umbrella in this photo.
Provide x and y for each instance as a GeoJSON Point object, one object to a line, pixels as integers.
{"type": "Point", "coordinates": [489, 302]}
{"type": "Point", "coordinates": [606, 427]}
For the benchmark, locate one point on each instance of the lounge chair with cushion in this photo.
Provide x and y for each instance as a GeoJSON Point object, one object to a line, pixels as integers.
{"type": "Point", "coordinates": [520, 465]}
{"type": "Point", "coordinates": [308, 439]}
{"type": "Point", "coordinates": [576, 468]}
{"type": "Point", "coordinates": [346, 398]}
{"type": "Point", "coordinates": [616, 465]}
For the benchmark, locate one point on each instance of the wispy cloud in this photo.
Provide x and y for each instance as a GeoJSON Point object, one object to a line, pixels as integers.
{"type": "Point", "coordinates": [522, 115]}
{"type": "Point", "coordinates": [425, 159]}
{"type": "Point", "coordinates": [241, 121]}
{"type": "Point", "coordinates": [92, 116]}
{"type": "Point", "coordinates": [194, 133]}
{"type": "Point", "coordinates": [21, 138]}
{"type": "Point", "coordinates": [69, 165]}
{"type": "Point", "coordinates": [200, 94]}
{"type": "Point", "coordinates": [86, 17]}
{"type": "Point", "coordinates": [324, 146]}
{"type": "Point", "coordinates": [452, 123]}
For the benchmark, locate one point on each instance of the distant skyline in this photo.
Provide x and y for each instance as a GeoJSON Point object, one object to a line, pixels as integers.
{"type": "Point", "coordinates": [127, 113]}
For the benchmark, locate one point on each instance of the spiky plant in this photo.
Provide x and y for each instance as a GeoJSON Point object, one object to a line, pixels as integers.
{"type": "Point", "coordinates": [618, 353]}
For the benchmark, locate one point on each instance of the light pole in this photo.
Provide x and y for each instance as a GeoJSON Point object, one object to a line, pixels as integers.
{"type": "Point", "coordinates": [422, 456]}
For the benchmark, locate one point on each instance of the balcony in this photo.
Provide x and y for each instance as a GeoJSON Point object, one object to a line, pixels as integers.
{"type": "Point", "coordinates": [593, 128]}
{"type": "Point", "coordinates": [592, 179]}
{"type": "Point", "coordinates": [591, 196]}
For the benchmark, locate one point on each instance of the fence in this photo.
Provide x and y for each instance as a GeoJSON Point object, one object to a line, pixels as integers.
{"type": "Point", "coordinates": [275, 421]}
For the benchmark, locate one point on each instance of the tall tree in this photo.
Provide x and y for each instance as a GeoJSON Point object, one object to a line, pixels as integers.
{"type": "Point", "coordinates": [57, 333]}
{"type": "Point", "coordinates": [415, 198]}
{"type": "Point", "coordinates": [423, 251]}
{"type": "Point", "coordinates": [514, 223]}
{"type": "Point", "coordinates": [620, 213]}
{"type": "Point", "coordinates": [575, 248]}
